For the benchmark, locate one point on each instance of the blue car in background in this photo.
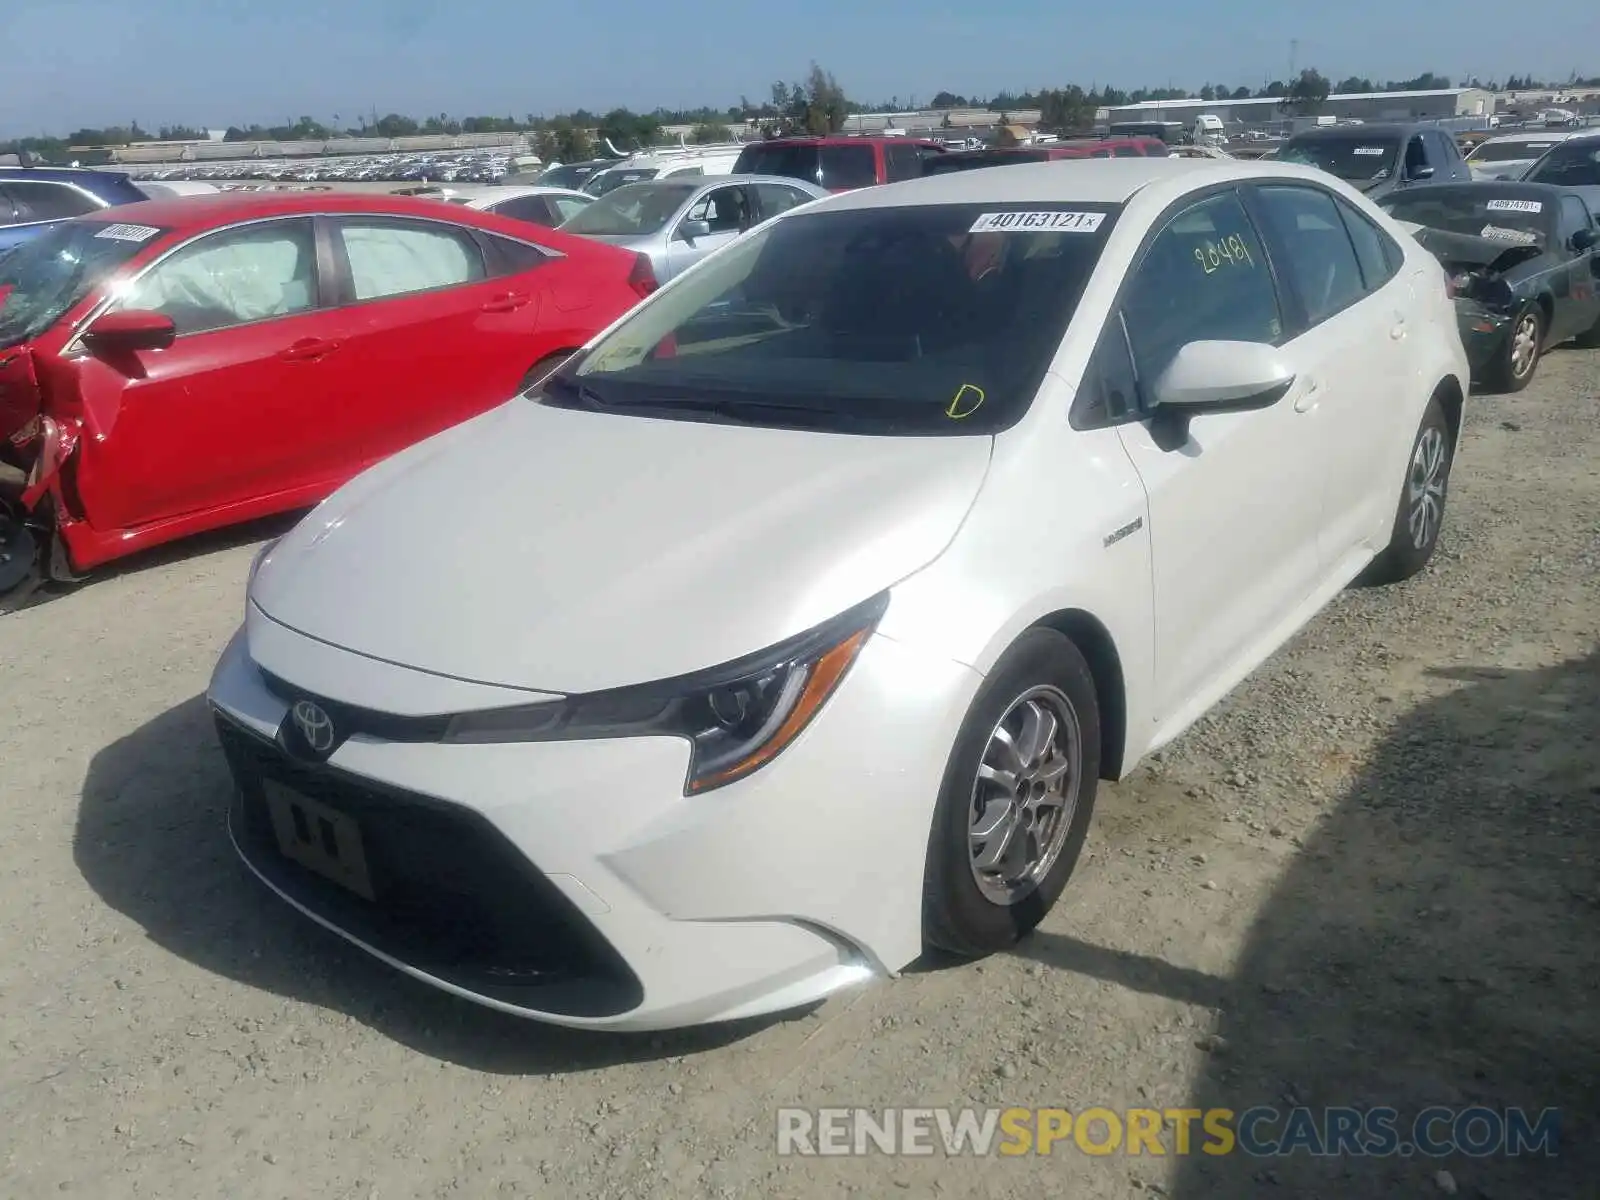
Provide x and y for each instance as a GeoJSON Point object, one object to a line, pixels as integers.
{"type": "Point", "coordinates": [34, 198]}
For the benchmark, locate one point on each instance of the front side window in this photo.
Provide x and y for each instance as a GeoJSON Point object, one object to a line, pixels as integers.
{"type": "Point", "coordinates": [397, 258]}
{"type": "Point", "coordinates": [726, 210]}
{"type": "Point", "coordinates": [48, 201]}
{"type": "Point", "coordinates": [1319, 257]}
{"type": "Point", "coordinates": [233, 277]}
{"type": "Point", "coordinates": [49, 274]}
{"type": "Point", "coordinates": [524, 208]}
{"type": "Point", "coordinates": [776, 198]}
{"type": "Point", "coordinates": [1574, 216]}
{"type": "Point", "coordinates": [901, 162]}
{"type": "Point", "coordinates": [936, 319]}
{"type": "Point", "coordinates": [1204, 277]}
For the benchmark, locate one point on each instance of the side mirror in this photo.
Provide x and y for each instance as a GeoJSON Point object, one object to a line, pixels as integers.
{"type": "Point", "coordinates": [1420, 173]}
{"type": "Point", "coordinates": [1215, 377]}
{"type": "Point", "coordinates": [130, 330]}
{"type": "Point", "coordinates": [1584, 239]}
{"type": "Point", "coordinates": [688, 231]}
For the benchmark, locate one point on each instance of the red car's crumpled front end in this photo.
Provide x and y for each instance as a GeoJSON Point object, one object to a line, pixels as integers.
{"type": "Point", "coordinates": [19, 396]}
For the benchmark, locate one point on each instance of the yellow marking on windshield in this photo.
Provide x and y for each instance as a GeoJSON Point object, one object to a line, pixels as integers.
{"type": "Point", "coordinates": [967, 400]}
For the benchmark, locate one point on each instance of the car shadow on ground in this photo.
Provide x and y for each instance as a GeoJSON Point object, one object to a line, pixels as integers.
{"type": "Point", "coordinates": [1437, 942]}
{"type": "Point", "coordinates": [151, 841]}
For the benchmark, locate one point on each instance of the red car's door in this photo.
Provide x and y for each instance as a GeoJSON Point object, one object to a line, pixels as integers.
{"type": "Point", "coordinates": [440, 325]}
{"type": "Point", "coordinates": [229, 411]}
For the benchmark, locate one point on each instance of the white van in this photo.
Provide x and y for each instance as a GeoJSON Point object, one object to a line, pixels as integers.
{"type": "Point", "coordinates": [643, 167]}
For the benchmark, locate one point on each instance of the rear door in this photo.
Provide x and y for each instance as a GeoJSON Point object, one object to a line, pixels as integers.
{"type": "Point", "coordinates": [1347, 312]}
{"type": "Point", "coordinates": [228, 412]}
{"type": "Point", "coordinates": [436, 323]}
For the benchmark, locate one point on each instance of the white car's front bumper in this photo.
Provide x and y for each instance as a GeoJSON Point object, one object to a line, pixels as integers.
{"type": "Point", "coordinates": [574, 882]}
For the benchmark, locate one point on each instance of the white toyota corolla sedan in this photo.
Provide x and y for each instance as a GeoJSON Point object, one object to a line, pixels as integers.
{"type": "Point", "coordinates": [786, 630]}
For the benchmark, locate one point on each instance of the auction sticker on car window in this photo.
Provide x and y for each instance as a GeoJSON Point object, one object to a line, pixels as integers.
{"type": "Point", "coordinates": [1522, 206]}
{"type": "Point", "coordinates": [1500, 233]}
{"type": "Point", "coordinates": [1368, 150]}
{"type": "Point", "coordinates": [128, 233]}
{"type": "Point", "coordinates": [1038, 222]}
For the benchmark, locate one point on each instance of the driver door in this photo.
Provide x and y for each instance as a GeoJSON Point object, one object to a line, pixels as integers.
{"type": "Point", "coordinates": [1582, 272]}
{"type": "Point", "coordinates": [714, 220]}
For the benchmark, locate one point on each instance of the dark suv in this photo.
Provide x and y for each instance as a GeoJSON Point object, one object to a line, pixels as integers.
{"type": "Point", "coordinates": [34, 198]}
{"type": "Point", "coordinates": [1379, 159]}
{"type": "Point", "coordinates": [839, 164]}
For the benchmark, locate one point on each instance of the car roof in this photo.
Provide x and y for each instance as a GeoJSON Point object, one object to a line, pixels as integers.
{"type": "Point", "coordinates": [224, 208]}
{"type": "Point", "coordinates": [1531, 135]}
{"type": "Point", "coordinates": [63, 174]}
{"type": "Point", "coordinates": [1503, 188]}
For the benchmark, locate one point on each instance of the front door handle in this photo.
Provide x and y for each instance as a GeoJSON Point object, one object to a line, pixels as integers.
{"type": "Point", "coordinates": [1307, 400]}
{"type": "Point", "coordinates": [308, 350]}
{"type": "Point", "coordinates": [506, 302]}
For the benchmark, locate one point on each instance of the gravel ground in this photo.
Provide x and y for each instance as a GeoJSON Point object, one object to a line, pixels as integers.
{"type": "Point", "coordinates": [1368, 878]}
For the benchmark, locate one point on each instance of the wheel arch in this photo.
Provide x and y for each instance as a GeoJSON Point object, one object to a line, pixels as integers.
{"type": "Point", "coordinates": [1099, 649]}
{"type": "Point", "coordinates": [1452, 398]}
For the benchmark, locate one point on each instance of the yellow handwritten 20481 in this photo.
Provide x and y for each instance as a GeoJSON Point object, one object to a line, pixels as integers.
{"type": "Point", "coordinates": [1230, 251]}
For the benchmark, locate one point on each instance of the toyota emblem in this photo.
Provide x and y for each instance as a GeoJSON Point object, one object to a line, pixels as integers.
{"type": "Point", "coordinates": [315, 726]}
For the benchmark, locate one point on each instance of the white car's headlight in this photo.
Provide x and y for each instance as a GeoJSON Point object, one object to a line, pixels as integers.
{"type": "Point", "coordinates": [737, 717]}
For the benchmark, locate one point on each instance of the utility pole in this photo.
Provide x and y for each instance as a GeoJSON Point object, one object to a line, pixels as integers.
{"type": "Point", "coordinates": [1294, 58]}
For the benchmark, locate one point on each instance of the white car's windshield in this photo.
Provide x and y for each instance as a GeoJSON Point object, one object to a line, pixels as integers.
{"type": "Point", "coordinates": [928, 319]}
{"type": "Point", "coordinates": [637, 210]}
{"type": "Point", "coordinates": [46, 275]}
{"type": "Point", "coordinates": [1491, 152]}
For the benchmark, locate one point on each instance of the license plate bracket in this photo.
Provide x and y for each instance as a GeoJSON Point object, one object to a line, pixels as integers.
{"type": "Point", "coordinates": [319, 838]}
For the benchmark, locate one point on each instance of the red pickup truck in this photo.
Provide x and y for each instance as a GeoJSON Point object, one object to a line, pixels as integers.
{"type": "Point", "coordinates": [839, 164]}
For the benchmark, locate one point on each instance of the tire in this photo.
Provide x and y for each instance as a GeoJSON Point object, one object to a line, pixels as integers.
{"type": "Point", "coordinates": [543, 367]}
{"type": "Point", "coordinates": [1515, 366]}
{"type": "Point", "coordinates": [1043, 673]}
{"type": "Point", "coordinates": [1419, 517]}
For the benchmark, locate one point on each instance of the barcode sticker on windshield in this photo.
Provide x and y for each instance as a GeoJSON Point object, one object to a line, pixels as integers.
{"type": "Point", "coordinates": [1038, 222]}
{"type": "Point", "coordinates": [1527, 206]}
{"type": "Point", "coordinates": [1500, 233]}
{"type": "Point", "coordinates": [1373, 150]}
{"type": "Point", "coordinates": [128, 233]}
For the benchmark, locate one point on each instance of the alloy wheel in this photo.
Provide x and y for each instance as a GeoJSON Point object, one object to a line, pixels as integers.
{"type": "Point", "coordinates": [1524, 345]}
{"type": "Point", "coordinates": [1425, 487]}
{"type": "Point", "coordinates": [1025, 795]}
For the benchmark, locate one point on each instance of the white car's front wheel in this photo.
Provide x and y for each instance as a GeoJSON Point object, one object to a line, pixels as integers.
{"type": "Point", "coordinates": [1420, 516]}
{"type": "Point", "coordinates": [1017, 799]}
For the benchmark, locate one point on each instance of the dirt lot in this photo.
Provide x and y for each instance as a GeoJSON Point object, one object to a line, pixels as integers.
{"type": "Point", "coordinates": [1369, 878]}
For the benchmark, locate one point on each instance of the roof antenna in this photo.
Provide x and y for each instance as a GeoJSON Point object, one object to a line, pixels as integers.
{"type": "Point", "coordinates": [613, 149]}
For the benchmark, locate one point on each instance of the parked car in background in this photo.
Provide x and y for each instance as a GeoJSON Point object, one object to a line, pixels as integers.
{"type": "Point", "coordinates": [1575, 163]}
{"type": "Point", "coordinates": [167, 189]}
{"type": "Point", "coordinates": [572, 175]}
{"type": "Point", "coordinates": [34, 198]}
{"type": "Point", "coordinates": [839, 164]}
{"type": "Point", "coordinates": [923, 511]}
{"type": "Point", "coordinates": [1380, 158]}
{"type": "Point", "coordinates": [174, 366]}
{"type": "Point", "coordinates": [534, 203]}
{"type": "Point", "coordinates": [1523, 268]}
{"type": "Point", "coordinates": [1510, 156]}
{"type": "Point", "coordinates": [643, 169]}
{"type": "Point", "coordinates": [677, 222]}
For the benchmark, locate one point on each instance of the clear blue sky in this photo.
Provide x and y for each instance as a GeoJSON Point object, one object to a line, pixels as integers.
{"type": "Point", "coordinates": [69, 63]}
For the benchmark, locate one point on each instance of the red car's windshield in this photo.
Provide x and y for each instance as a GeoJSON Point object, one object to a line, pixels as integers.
{"type": "Point", "coordinates": [46, 275]}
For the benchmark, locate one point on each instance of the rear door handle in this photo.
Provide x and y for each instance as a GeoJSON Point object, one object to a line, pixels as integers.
{"type": "Point", "coordinates": [506, 302]}
{"type": "Point", "coordinates": [1308, 398]}
{"type": "Point", "coordinates": [308, 350]}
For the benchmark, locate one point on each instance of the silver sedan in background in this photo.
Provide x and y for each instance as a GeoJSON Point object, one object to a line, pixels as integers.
{"type": "Point", "coordinates": [677, 222]}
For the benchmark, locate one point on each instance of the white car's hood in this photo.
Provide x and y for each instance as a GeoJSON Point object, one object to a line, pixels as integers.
{"type": "Point", "coordinates": [569, 551]}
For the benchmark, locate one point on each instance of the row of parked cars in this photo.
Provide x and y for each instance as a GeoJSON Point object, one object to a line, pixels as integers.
{"type": "Point", "coordinates": [561, 702]}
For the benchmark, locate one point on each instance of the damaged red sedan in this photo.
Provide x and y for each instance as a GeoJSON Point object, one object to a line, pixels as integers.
{"type": "Point", "coordinates": [176, 366]}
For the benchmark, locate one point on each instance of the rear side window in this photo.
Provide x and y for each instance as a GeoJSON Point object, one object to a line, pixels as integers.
{"type": "Point", "coordinates": [1204, 277]}
{"type": "Point", "coordinates": [848, 166]}
{"type": "Point", "coordinates": [1379, 261]}
{"type": "Point", "coordinates": [233, 277]}
{"type": "Point", "coordinates": [507, 256]}
{"type": "Point", "coordinates": [524, 208]}
{"type": "Point", "coordinates": [40, 201]}
{"type": "Point", "coordinates": [901, 162]}
{"type": "Point", "coordinates": [775, 198]}
{"type": "Point", "coordinates": [397, 258]}
{"type": "Point", "coordinates": [1318, 254]}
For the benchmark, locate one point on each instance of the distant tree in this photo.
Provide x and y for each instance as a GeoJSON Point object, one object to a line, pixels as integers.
{"type": "Point", "coordinates": [393, 125]}
{"type": "Point", "coordinates": [826, 105]}
{"type": "Point", "coordinates": [1065, 110]}
{"type": "Point", "coordinates": [1308, 93]}
{"type": "Point", "coordinates": [180, 133]}
{"type": "Point", "coordinates": [706, 134]}
{"type": "Point", "coordinates": [1208, 93]}
{"type": "Point", "coordinates": [949, 100]}
{"type": "Point", "coordinates": [1240, 93]}
{"type": "Point", "coordinates": [628, 130]}
{"type": "Point", "coordinates": [1354, 83]}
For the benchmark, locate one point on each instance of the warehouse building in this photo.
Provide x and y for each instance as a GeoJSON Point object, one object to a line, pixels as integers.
{"type": "Point", "coordinates": [1443, 104]}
